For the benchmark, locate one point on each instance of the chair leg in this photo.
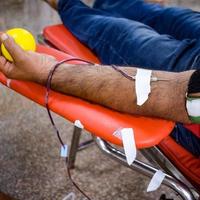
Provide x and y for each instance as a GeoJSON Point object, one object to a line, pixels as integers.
{"type": "Point", "coordinates": [74, 147]}
{"type": "Point", "coordinates": [179, 187]}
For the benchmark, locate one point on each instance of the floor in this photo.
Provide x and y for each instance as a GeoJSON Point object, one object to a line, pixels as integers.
{"type": "Point", "coordinates": [30, 166]}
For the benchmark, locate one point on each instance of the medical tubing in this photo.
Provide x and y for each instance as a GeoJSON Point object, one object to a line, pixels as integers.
{"type": "Point", "coordinates": [74, 183]}
{"type": "Point", "coordinates": [122, 72]}
{"type": "Point", "coordinates": [48, 89]}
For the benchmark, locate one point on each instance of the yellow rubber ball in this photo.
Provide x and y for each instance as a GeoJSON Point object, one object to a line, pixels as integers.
{"type": "Point", "coordinates": [23, 38]}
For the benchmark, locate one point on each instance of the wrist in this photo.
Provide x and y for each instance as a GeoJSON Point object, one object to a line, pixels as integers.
{"type": "Point", "coordinates": [42, 76]}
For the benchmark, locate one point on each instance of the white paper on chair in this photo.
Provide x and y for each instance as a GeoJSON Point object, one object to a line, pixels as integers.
{"type": "Point", "coordinates": [128, 140]}
{"type": "Point", "coordinates": [70, 196]}
{"type": "Point", "coordinates": [118, 133]}
{"type": "Point", "coordinates": [142, 85]}
{"type": "Point", "coordinates": [78, 124]}
{"type": "Point", "coordinates": [156, 181]}
{"type": "Point", "coordinates": [8, 83]}
{"type": "Point", "coordinates": [64, 151]}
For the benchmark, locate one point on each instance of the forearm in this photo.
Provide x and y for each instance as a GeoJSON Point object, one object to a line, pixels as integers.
{"type": "Point", "coordinates": [105, 86]}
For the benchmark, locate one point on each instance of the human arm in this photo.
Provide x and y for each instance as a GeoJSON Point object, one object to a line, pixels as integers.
{"type": "Point", "coordinates": [102, 84]}
{"type": "Point", "coordinates": [105, 86]}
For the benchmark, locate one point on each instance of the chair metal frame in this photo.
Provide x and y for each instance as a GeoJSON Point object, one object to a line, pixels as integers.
{"type": "Point", "coordinates": [174, 179]}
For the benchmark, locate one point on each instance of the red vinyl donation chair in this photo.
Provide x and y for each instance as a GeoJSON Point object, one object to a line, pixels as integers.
{"type": "Point", "coordinates": [185, 165]}
{"type": "Point", "coordinates": [181, 168]}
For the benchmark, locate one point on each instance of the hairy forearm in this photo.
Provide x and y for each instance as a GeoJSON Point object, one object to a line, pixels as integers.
{"type": "Point", "coordinates": [102, 84]}
{"type": "Point", "coordinates": [105, 86]}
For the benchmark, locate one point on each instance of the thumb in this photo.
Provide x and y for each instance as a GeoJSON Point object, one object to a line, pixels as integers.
{"type": "Point", "coordinates": [15, 50]}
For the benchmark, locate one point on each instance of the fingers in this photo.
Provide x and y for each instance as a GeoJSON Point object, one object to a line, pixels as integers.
{"type": "Point", "coordinates": [3, 65]}
{"type": "Point", "coordinates": [15, 50]}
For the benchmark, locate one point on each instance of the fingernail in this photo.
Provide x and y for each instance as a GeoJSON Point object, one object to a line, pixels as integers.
{"type": "Point", "coordinates": [4, 37]}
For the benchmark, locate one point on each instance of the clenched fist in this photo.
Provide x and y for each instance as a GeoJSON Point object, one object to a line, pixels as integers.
{"type": "Point", "coordinates": [26, 65]}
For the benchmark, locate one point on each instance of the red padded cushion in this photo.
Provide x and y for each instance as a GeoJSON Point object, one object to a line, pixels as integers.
{"type": "Point", "coordinates": [97, 119]}
{"type": "Point", "coordinates": [185, 161]}
{"type": "Point", "coordinates": [62, 39]}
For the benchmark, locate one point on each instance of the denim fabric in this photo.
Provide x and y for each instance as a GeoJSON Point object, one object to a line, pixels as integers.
{"type": "Point", "coordinates": [187, 139]}
{"type": "Point", "coordinates": [178, 22]}
{"type": "Point", "coordinates": [131, 32]}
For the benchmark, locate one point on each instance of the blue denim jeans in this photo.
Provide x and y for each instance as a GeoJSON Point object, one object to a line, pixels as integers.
{"type": "Point", "coordinates": [135, 33]}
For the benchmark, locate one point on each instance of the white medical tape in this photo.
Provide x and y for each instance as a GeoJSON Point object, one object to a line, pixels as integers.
{"type": "Point", "coordinates": [142, 85]}
{"type": "Point", "coordinates": [193, 107]}
{"type": "Point", "coordinates": [78, 124]}
{"type": "Point", "coordinates": [8, 82]}
{"type": "Point", "coordinates": [70, 196]}
{"type": "Point", "coordinates": [117, 133]}
{"type": "Point", "coordinates": [156, 181]}
{"type": "Point", "coordinates": [129, 145]}
{"type": "Point", "coordinates": [64, 151]}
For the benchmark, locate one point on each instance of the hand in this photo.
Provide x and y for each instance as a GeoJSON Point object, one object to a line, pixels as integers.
{"type": "Point", "coordinates": [27, 65]}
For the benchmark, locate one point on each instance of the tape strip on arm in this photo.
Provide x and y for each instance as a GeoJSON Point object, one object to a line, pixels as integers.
{"type": "Point", "coordinates": [143, 85]}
